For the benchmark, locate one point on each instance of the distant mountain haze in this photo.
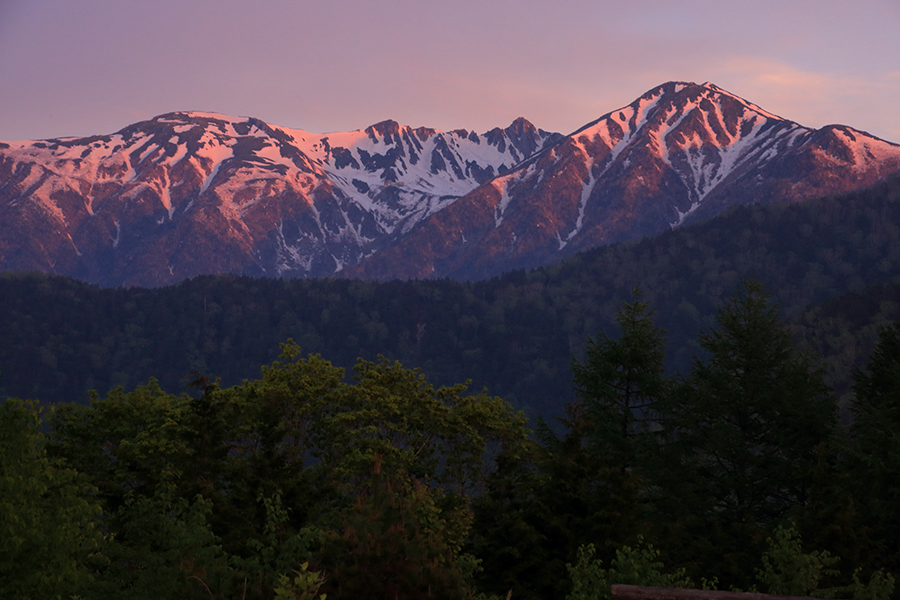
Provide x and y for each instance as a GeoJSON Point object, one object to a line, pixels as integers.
{"type": "Point", "coordinates": [190, 193]}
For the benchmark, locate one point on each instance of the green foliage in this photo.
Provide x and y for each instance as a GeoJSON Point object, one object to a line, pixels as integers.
{"type": "Point", "coordinates": [394, 543]}
{"type": "Point", "coordinates": [588, 484]}
{"type": "Point", "coordinates": [880, 587]}
{"type": "Point", "coordinates": [846, 330]}
{"type": "Point", "coordinates": [302, 584]}
{"type": "Point", "coordinates": [239, 487]}
{"type": "Point", "coordinates": [393, 414]}
{"type": "Point", "coordinates": [163, 548]}
{"type": "Point", "coordinates": [431, 443]}
{"type": "Point", "coordinates": [226, 493]}
{"type": "Point", "coordinates": [788, 571]}
{"type": "Point", "coordinates": [879, 387]}
{"type": "Point", "coordinates": [267, 558]}
{"type": "Point", "coordinates": [48, 532]}
{"type": "Point", "coordinates": [637, 565]}
{"type": "Point", "coordinates": [128, 443]}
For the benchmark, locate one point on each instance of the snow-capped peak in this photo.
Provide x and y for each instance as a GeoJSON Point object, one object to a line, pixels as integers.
{"type": "Point", "coordinates": [198, 192]}
{"type": "Point", "coordinates": [702, 132]}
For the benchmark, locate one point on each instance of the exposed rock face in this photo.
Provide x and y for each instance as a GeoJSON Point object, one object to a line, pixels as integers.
{"type": "Point", "coordinates": [193, 193]}
{"type": "Point", "coordinates": [679, 153]}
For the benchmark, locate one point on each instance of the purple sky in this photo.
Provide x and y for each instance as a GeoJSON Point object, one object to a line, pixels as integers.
{"type": "Point", "coordinates": [81, 67]}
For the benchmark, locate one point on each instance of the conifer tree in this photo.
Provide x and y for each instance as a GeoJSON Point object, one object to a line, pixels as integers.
{"type": "Point", "coordinates": [873, 449]}
{"type": "Point", "coordinates": [621, 380]}
{"type": "Point", "coordinates": [745, 431]}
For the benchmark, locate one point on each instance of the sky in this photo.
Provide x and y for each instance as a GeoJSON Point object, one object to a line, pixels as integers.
{"type": "Point", "coordinates": [85, 67]}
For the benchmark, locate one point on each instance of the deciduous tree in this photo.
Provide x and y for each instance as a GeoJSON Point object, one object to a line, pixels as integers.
{"type": "Point", "coordinates": [48, 518]}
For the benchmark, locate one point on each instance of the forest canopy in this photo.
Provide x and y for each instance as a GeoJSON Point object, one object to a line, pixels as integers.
{"type": "Point", "coordinates": [737, 474]}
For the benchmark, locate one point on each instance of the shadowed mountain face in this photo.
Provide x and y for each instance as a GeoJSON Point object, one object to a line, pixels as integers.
{"type": "Point", "coordinates": [679, 153]}
{"type": "Point", "coordinates": [192, 193]}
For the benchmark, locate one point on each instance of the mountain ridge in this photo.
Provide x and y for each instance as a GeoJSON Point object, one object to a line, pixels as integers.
{"type": "Point", "coordinates": [265, 199]}
{"type": "Point", "coordinates": [189, 193]}
{"type": "Point", "coordinates": [679, 153]}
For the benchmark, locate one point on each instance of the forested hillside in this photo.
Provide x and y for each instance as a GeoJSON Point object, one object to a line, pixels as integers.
{"type": "Point", "coordinates": [514, 334]}
{"type": "Point", "coordinates": [299, 482]}
{"type": "Point", "coordinates": [706, 438]}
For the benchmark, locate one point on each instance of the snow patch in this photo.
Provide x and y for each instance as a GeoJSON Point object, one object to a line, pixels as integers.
{"type": "Point", "coordinates": [147, 151]}
{"type": "Point", "coordinates": [684, 215]}
{"type": "Point", "coordinates": [501, 185]}
{"type": "Point", "coordinates": [714, 88]}
{"type": "Point", "coordinates": [271, 152]}
{"type": "Point", "coordinates": [216, 154]}
{"type": "Point", "coordinates": [212, 115]}
{"type": "Point", "coordinates": [643, 112]}
{"type": "Point", "coordinates": [165, 195]}
{"type": "Point", "coordinates": [582, 205]}
{"type": "Point", "coordinates": [179, 154]}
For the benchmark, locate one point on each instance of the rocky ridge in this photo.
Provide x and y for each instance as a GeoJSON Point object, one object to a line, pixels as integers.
{"type": "Point", "coordinates": [191, 193]}
{"type": "Point", "coordinates": [679, 153]}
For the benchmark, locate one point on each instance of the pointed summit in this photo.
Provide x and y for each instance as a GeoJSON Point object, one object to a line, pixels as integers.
{"type": "Point", "coordinates": [189, 193]}
{"type": "Point", "coordinates": [678, 153]}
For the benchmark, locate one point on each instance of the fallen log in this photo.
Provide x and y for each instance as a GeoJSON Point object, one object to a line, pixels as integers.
{"type": "Point", "coordinates": [643, 592]}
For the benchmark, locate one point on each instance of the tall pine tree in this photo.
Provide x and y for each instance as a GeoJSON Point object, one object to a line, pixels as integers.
{"type": "Point", "coordinates": [873, 449]}
{"type": "Point", "coordinates": [621, 381]}
{"type": "Point", "coordinates": [745, 430]}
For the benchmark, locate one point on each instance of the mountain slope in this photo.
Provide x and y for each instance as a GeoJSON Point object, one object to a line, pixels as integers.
{"type": "Point", "coordinates": [679, 153]}
{"type": "Point", "coordinates": [191, 193]}
{"type": "Point", "coordinates": [514, 334]}
{"type": "Point", "coordinates": [198, 193]}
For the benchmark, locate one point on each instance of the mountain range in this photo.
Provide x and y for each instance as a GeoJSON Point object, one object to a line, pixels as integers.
{"type": "Point", "coordinates": [192, 193]}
